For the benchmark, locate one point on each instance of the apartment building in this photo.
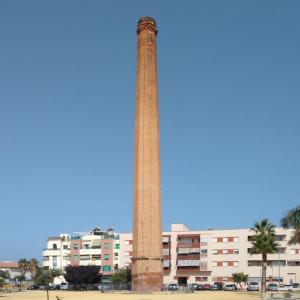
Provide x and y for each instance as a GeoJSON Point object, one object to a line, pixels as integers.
{"type": "Point", "coordinates": [97, 247]}
{"type": "Point", "coordinates": [202, 256]}
{"type": "Point", "coordinates": [206, 256]}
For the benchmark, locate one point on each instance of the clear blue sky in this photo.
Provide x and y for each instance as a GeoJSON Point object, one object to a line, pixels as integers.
{"type": "Point", "coordinates": [229, 92]}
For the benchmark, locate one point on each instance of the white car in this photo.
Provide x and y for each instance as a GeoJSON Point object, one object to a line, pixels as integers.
{"type": "Point", "coordinates": [229, 287]}
{"type": "Point", "coordinates": [64, 286]}
{"type": "Point", "coordinates": [253, 286]}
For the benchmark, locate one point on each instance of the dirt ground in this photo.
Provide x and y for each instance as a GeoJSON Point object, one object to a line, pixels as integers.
{"type": "Point", "coordinates": [69, 295]}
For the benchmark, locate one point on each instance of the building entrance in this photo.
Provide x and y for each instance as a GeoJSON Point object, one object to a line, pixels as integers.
{"type": "Point", "coordinates": [182, 280]}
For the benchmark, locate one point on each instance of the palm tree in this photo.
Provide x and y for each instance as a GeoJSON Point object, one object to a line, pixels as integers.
{"type": "Point", "coordinates": [33, 265]}
{"type": "Point", "coordinates": [264, 243]}
{"type": "Point", "coordinates": [292, 220]}
{"type": "Point", "coordinates": [23, 265]}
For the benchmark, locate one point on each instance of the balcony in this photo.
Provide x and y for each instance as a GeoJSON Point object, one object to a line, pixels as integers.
{"type": "Point", "coordinates": [188, 263]}
{"type": "Point", "coordinates": [293, 263]}
{"type": "Point", "coordinates": [187, 250]}
{"type": "Point", "coordinates": [166, 263]}
{"type": "Point", "coordinates": [188, 245]}
{"type": "Point", "coordinates": [188, 236]}
{"type": "Point", "coordinates": [188, 256]}
{"type": "Point", "coordinates": [166, 239]}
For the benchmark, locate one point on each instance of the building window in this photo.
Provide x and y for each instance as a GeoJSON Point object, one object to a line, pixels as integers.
{"type": "Point", "coordinates": [280, 237]}
{"type": "Point", "coordinates": [225, 264]}
{"type": "Point", "coordinates": [54, 261]}
{"type": "Point", "coordinates": [225, 251]}
{"type": "Point", "coordinates": [235, 239]}
{"type": "Point", "coordinates": [54, 247]}
{"type": "Point", "coordinates": [203, 251]}
{"type": "Point", "coordinates": [106, 245]}
{"type": "Point", "coordinates": [75, 246]}
{"type": "Point", "coordinates": [45, 258]}
{"type": "Point", "coordinates": [96, 257]}
{"type": "Point", "coordinates": [225, 240]}
{"type": "Point", "coordinates": [127, 243]}
{"type": "Point", "coordinates": [65, 247]}
{"type": "Point", "coordinates": [106, 256]}
{"type": "Point", "coordinates": [214, 251]}
{"type": "Point", "coordinates": [75, 258]}
{"type": "Point", "coordinates": [117, 246]}
{"type": "Point", "coordinates": [106, 268]}
{"type": "Point", "coordinates": [236, 251]}
{"type": "Point", "coordinates": [235, 263]}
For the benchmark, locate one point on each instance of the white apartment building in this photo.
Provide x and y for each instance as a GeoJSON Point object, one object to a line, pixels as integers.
{"type": "Point", "coordinates": [201, 256]}
{"type": "Point", "coordinates": [100, 248]}
{"type": "Point", "coordinates": [206, 256]}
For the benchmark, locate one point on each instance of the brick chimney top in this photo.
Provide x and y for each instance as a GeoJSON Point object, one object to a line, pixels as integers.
{"type": "Point", "coordinates": [146, 23]}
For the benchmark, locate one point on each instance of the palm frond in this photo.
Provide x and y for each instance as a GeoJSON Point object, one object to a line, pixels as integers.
{"type": "Point", "coordinates": [291, 218]}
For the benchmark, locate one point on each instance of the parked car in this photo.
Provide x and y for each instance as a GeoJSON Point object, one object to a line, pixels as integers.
{"type": "Point", "coordinates": [230, 287]}
{"type": "Point", "coordinates": [272, 287]}
{"type": "Point", "coordinates": [253, 286]}
{"type": "Point", "coordinates": [286, 287]}
{"type": "Point", "coordinates": [207, 287]}
{"type": "Point", "coordinates": [173, 287]}
{"type": "Point", "coordinates": [199, 287]}
{"type": "Point", "coordinates": [217, 286]}
{"type": "Point", "coordinates": [64, 286]}
{"type": "Point", "coordinates": [194, 286]}
{"type": "Point", "coordinates": [296, 286]}
{"type": "Point", "coordinates": [33, 287]}
{"type": "Point", "coordinates": [54, 287]}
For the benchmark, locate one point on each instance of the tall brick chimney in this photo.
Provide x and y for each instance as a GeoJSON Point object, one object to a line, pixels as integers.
{"type": "Point", "coordinates": [147, 235]}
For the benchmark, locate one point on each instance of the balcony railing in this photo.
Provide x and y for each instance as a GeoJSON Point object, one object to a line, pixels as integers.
{"type": "Point", "coordinates": [166, 239]}
{"type": "Point", "coordinates": [188, 263]}
{"type": "Point", "coordinates": [166, 264]}
{"type": "Point", "coordinates": [188, 250]}
{"type": "Point", "coordinates": [188, 245]}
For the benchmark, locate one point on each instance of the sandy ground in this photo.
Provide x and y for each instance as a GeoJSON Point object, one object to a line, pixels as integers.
{"type": "Point", "coordinates": [68, 295]}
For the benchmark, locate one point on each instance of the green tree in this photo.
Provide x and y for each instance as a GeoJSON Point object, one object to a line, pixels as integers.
{"type": "Point", "coordinates": [292, 220]}
{"type": "Point", "coordinates": [45, 277]}
{"type": "Point", "coordinates": [240, 278]}
{"type": "Point", "coordinates": [83, 275]}
{"type": "Point", "coordinates": [3, 276]}
{"type": "Point", "coordinates": [33, 266]}
{"type": "Point", "coordinates": [20, 278]}
{"type": "Point", "coordinates": [23, 265]}
{"type": "Point", "coordinates": [121, 276]}
{"type": "Point", "coordinates": [264, 243]}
